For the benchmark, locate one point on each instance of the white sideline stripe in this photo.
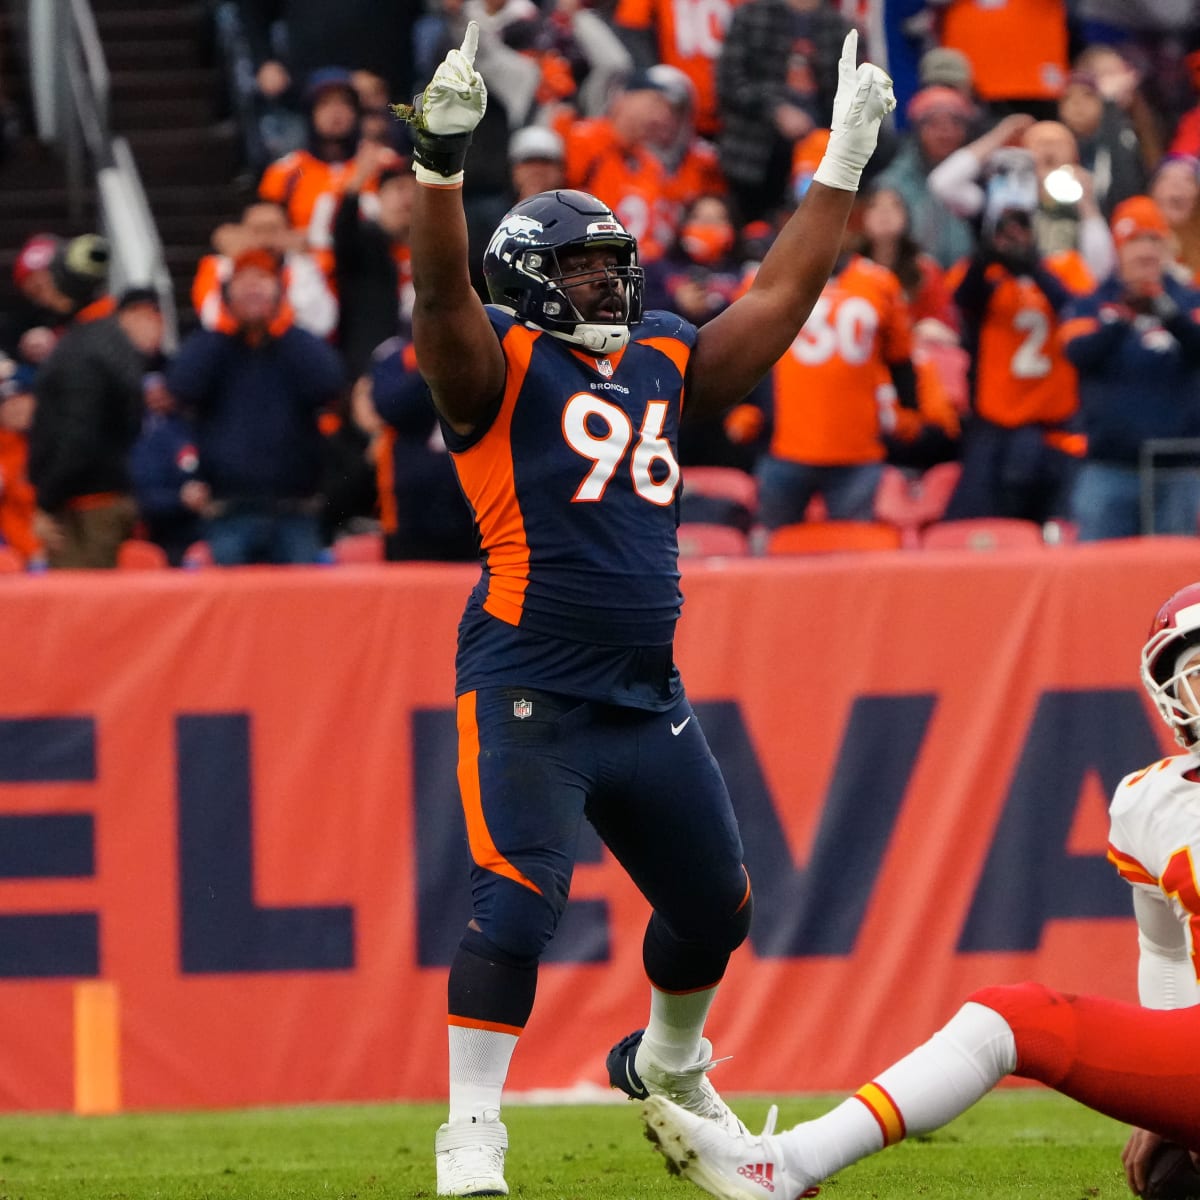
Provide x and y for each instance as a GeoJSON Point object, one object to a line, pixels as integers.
{"type": "Point", "coordinates": [583, 1092]}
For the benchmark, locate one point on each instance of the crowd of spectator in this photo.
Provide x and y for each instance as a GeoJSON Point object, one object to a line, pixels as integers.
{"type": "Point", "coordinates": [1017, 290]}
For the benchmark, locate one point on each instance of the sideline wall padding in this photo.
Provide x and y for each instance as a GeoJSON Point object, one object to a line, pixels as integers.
{"type": "Point", "coordinates": [231, 795]}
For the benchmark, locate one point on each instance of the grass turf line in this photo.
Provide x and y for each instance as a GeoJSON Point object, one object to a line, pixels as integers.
{"type": "Point", "coordinates": [1016, 1143]}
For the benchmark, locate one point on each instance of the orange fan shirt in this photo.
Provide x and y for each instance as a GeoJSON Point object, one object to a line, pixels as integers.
{"type": "Point", "coordinates": [629, 179]}
{"type": "Point", "coordinates": [1017, 48]}
{"type": "Point", "coordinates": [1022, 376]}
{"type": "Point", "coordinates": [309, 189]}
{"type": "Point", "coordinates": [690, 36]}
{"type": "Point", "coordinates": [831, 383]}
{"type": "Point", "coordinates": [18, 501]}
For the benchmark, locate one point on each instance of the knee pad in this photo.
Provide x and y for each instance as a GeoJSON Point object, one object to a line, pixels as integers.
{"type": "Point", "coordinates": [676, 963]}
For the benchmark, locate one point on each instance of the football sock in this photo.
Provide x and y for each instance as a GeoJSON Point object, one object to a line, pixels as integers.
{"type": "Point", "coordinates": [959, 1065]}
{"type": "Point", "coordinates": [1137, 1065]}
{"type": "Point", "coordinates": [479, 1061]}
{"type": "Point", "coordinates": [676, 1024]}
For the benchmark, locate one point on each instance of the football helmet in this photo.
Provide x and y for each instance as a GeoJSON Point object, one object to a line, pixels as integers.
{"type": "Point", "coordinates": [521, 267]}
{"type": "Point", "coordinates": [1174, 636]}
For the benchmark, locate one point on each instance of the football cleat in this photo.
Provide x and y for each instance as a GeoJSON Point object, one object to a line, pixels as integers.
{"type": "Point", "coordinates": [689, 1088]}
{"type": "Point", "coordinates": [733, 1166]}
{"type": "Point", "coordinates": [470, 1159]}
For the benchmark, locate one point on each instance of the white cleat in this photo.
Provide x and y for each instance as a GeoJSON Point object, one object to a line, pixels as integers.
{"type": "Point", "coordinates": [470, 1159]}
{"type": "Point", "coordinates": [733, 1166]}
{"type": "Point", "coordinates": [690, 1089]}
{"type": "Point", "coordinates": [632, 1069]}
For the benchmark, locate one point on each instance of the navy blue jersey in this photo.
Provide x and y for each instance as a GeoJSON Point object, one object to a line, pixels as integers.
{"type": "Point", "coordinates": [574, 481]}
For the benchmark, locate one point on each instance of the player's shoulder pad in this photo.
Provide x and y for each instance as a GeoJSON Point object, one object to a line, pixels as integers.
{"type": "Point", "coordinates": [501, 318]}
{"type": "Point", "coordinates": [659, 323]}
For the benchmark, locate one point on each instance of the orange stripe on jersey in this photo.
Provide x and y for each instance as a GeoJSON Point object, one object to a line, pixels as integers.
{"type": "Point", "coordinates": [673, 348]}
{"type": "Point", "coordinates": [590, 360]}
{"type": "Point", "coordinates": [486, 474]}
{"type": "Point", "coordinates": [385, 480]}
{"type": "Point", "coordinates": [479, 837]}
{"type": "Point", "coordinates": [746, 893]}
{"type": "Point", "coordinates": [490, 1026]}
{"type": "Point", "coordinates": [1077, 327]}
{"type": "Point", "coordinates": [883, 1108]}
{"type": "Point", "coordinates": [1129, 868]}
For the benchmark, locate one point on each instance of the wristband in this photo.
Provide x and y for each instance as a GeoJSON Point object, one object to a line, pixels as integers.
{"type": "Point", "coordinates": [441, 154]}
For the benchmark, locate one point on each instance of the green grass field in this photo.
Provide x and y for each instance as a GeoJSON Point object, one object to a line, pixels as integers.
{"type": "Point", "coordinates": [1020, 1143]}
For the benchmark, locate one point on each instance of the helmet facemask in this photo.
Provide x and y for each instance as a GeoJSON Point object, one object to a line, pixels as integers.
{"type": "Point", "coordinates": [551, 308]}
{"type": "Point", "coordinates": [1171, 674]}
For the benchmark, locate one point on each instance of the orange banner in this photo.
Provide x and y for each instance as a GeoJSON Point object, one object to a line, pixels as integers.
{"type": "Point", "coordinates": [229, 797]}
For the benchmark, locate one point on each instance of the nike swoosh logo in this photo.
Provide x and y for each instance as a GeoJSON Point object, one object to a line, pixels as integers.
{"type": "Point", "coordinates": [676, 730]}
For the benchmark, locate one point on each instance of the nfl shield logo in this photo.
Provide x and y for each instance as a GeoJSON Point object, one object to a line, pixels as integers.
{"type": "Point", "coordinates": [605, 368]}
{"type": "Point", "coordinates": [522, 709]}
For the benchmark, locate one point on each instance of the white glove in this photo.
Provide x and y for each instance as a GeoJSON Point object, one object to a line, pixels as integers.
{"type": "Point", "coordinates": [864, 97]}
{"type": "Point", "coordinates": [445, 115]}
{"type": "Point", "coordinates": [456, 98]}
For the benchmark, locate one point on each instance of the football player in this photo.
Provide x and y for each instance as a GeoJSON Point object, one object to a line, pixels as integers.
{"type": "Point", "coordinates": [560, 404]}
{"type": "Point", "coordinates": [1140, 1065]}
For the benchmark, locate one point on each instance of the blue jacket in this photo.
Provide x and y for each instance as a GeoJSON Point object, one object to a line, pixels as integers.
{"type": "Point", "coordinates": [256, 409]}
{"type": "Point", "coordinates": [1138, 379]}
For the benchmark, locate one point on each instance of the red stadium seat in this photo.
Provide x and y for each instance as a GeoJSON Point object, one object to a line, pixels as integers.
{"type": "Point", "coordinates": [197, 556]}
{"type": "Point", "coordinates": [910, 502]}
{"type": "Point", "coordinates": [719, 496]}
{"type": "Point", "coordinates": [982, 533]}
{"type": "Point", "coordinates": [137, 554]}
{"type": "Point", "coordinates": [359, 548]}
{"type": "Point", "coordinates": [829, 537]}
{"type": "Point", "coordinates": [699, 539]}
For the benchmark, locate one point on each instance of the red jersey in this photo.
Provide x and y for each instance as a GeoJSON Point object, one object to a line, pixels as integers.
{"type": "Point", "coordinates": [833, 385]}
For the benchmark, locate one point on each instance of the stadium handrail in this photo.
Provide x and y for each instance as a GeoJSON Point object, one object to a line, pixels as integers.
{"type": "Point", "coordinates": [70, 82]}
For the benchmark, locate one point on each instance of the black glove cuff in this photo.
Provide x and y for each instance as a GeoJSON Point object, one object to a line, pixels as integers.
{"type": "Point", "coordinates": [442, 153]}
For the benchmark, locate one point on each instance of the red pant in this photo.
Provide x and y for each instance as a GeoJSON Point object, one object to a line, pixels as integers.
{"type": "Point", "coordinates": [1139, 1065]}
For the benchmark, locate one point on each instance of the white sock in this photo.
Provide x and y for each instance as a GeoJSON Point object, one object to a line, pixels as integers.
{"type": "Point", "coordinates": [479, 1061]}
{"type": "Point", "coordinates": [676, 1024]}
{"type": "Point", "coordinates": [958, 1066]}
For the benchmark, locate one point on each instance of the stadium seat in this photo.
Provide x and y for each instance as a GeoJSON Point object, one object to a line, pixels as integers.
{"type": "Point", "coordinates": [11, 562]}
{"type": "Point", "coordinates": [719, 496]}
{"type": "Point", "coordinates": [951, 363]}
{"type": "Point", "coordinates": [829, 537]}
{"type": "Point", "coordinates": [137, 554]}
{"type": "Point", "coordinates": [358, 548]}
{"type": "Point", "coordinates": [197, 556]}
{"type": "Point", "coordinates": [910, 502]}
{"type": "Point", "coordinates": [982, 533]}
{"type": "Point", "coordinates": [700, 539]}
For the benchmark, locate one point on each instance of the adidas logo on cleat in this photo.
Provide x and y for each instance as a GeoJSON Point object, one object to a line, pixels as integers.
{"type": "Point", "coordinates": [762, 1174]}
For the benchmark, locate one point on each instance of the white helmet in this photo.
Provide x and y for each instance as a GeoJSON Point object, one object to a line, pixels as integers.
{"type": "Point", "coordinates": [1174, 638]}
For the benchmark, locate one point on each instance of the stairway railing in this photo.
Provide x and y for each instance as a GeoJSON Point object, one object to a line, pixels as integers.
{"type": "Point", "coordinates": [69, 81]}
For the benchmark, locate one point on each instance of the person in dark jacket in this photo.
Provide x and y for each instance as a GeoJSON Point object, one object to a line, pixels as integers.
{"type": "Point", "coordinates": [164, 466]}
{"type": "Point", "coordinates": [371, 255]}
{"type": "Point", "coordinates": [424, 514]}
{"type": "Point", "coordinates": [89, 412]}
{"type": "Point", "coordinates": [1135, 343]}
{"type": "Point", "coordinates": [776, 77]}
{"type": "Point", "coordinates": [256, 393]}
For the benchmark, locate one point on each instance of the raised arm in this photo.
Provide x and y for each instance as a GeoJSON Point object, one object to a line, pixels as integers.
{"type": "Point", "coordinates": [736, 349]}
{"type": "Point", "coordinates": [457, 349]}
